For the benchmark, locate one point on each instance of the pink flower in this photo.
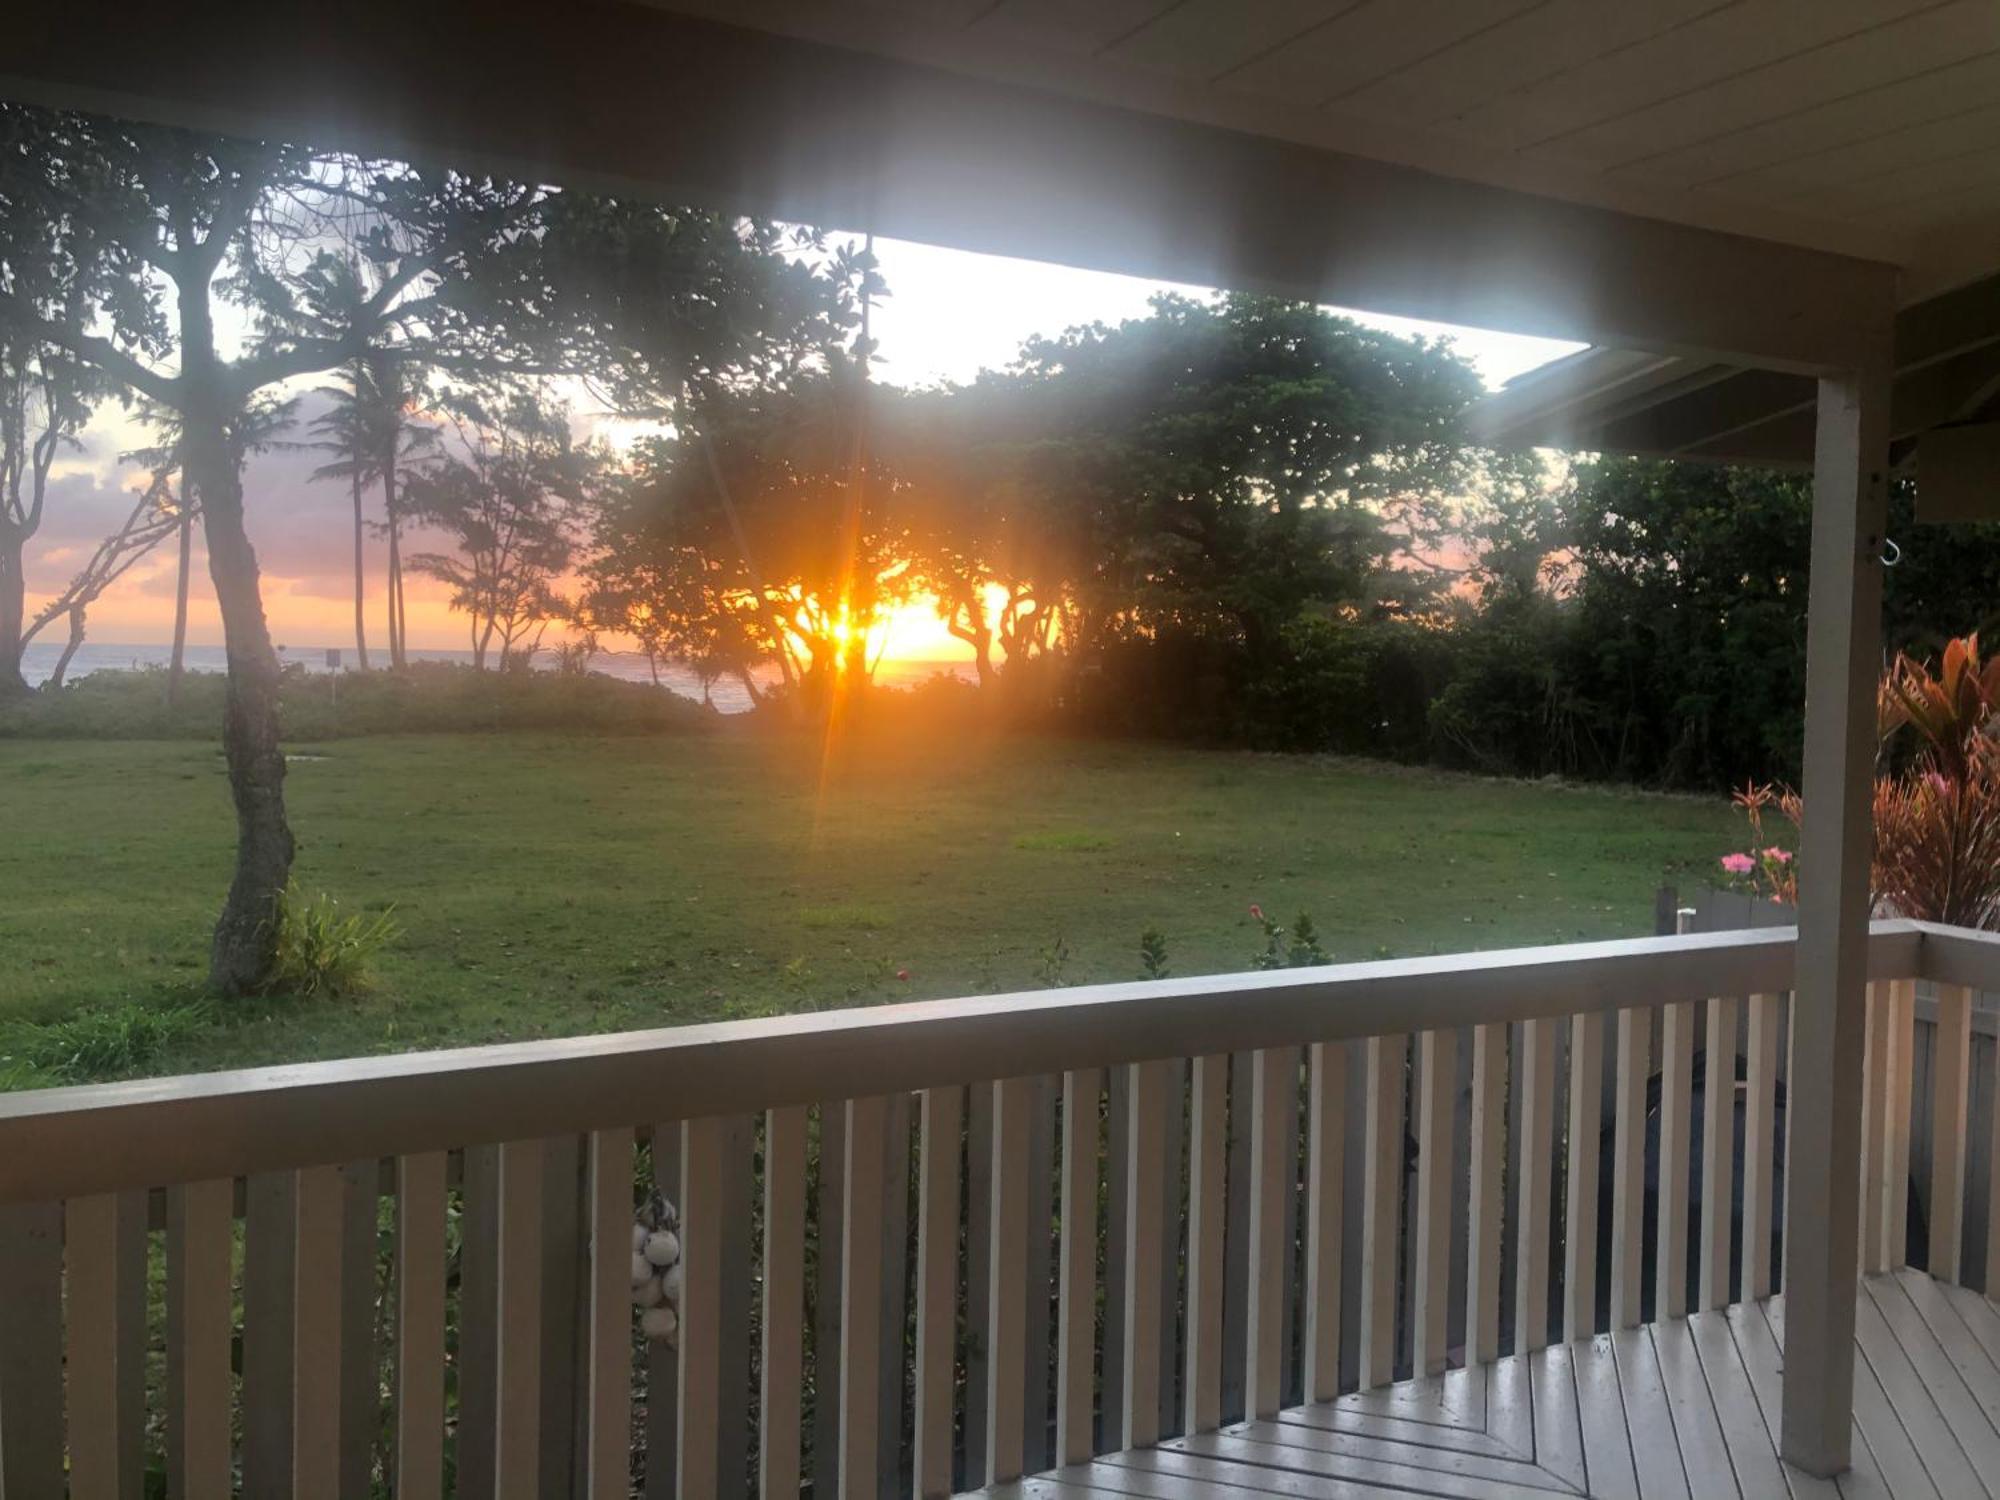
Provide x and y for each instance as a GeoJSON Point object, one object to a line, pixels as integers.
{"type": "Point", "coordinates": [1256, 911]}
{"type": "Point", "coordinates": [1738, 864]}
{"type": "Point", "coordinates": [1778, 856]}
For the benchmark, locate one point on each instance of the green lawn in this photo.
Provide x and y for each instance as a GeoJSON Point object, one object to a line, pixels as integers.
{"type": "Point", "coordinates": [550, 885]}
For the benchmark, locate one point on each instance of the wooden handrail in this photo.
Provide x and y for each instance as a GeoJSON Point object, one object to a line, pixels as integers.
{"type": "Point", "coordinates": [59, 1143]}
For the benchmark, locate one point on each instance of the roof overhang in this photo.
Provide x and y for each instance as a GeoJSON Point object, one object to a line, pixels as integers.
{"type": "Point", "coordinates": [1613, 400]}
{"type": "Point", "coordinates": [640, 99]}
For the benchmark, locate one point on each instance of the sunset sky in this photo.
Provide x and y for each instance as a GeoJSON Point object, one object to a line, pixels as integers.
{"type": "Point", "coordinates": [948, 314]}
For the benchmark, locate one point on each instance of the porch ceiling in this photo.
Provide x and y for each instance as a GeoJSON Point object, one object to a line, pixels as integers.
{"type": "Point", "coordinates": [1739, 180]}
{"type": "Point", "coordinates": [1612, 400]}
{"type": "Point", "coordinates": [1869, 127]}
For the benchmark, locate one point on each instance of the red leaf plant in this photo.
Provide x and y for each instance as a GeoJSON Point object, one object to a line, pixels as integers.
{"type": "Point", "coordinates": [1937, 817]}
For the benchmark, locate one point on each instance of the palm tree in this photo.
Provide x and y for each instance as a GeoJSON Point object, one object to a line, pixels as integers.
{"type": "Point", "coordinates": [346, 433]}
{"type": "Point", "coordinates": [366, 429]}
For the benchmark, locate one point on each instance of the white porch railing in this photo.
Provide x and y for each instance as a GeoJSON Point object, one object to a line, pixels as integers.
{"type": "Point", "coordinates": [924, 1245]}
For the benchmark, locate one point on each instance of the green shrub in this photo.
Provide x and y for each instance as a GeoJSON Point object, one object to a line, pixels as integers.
{"type": "Point", "coordinates": [323, 952]}
{"type": "Point", "coordinates": [426, 698]}
{"type": "Point", "coordinates": [94, 1044]}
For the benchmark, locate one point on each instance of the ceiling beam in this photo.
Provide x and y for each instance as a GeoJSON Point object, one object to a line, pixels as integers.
{"type": "Point", "coordinates": [602, 94]}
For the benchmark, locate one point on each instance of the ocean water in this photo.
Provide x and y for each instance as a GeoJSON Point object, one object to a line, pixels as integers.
{"type": "Point", "coordinates": [628, 666]}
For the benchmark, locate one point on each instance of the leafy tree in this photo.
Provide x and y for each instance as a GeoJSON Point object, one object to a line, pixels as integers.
{"type": "Point", "coordinates": [508, 492]}
{"type": "Point", "coordinates": [257, 429]}
{"type": "Point", "coordinates": [1235, 460]}
{"type": "Point", "coordinates": [44, 401]}
{"type": "Point", "coordinates": [199, 271]}
{"type": "Point", "coordinates": [773, 475]}
{"type": "Point", "coordinates": [689, 319]}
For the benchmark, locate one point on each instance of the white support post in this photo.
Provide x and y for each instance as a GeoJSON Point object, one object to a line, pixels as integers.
{"type": "Point", "coordinates": [1843, 646]}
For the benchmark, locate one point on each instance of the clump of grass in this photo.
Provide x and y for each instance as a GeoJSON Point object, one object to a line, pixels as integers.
{"type": "Point", "coordinates": [851, 917]}
{"type": "Point", "coordinates": [323, 952]}
{"type": "Point", "coordinates": [1063, 841]}
{"type": "Point", "coordinates": [95, 1044]}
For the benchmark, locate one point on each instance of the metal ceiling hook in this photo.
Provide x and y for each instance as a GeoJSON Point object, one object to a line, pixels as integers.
{"type": "Point", "coordinates": [1891, 553]}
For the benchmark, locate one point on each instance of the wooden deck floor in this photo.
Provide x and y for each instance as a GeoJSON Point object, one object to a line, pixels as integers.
{"type": "Point", "coordinates": [1676, 1411]}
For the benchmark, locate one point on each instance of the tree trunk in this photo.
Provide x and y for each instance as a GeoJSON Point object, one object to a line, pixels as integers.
{"type": "Point", "coordinates": [398, 640]}
{"type": "Point", "coordinates": [76, 629]}
{"type": "Point", "coordinates": [360, 629]}
{"type": "Point", "coordinates": [13, 609]}
{"type": "Point", "coordinates": [245, 944]}
{"type": "Point", "coordinates": [178, 662]}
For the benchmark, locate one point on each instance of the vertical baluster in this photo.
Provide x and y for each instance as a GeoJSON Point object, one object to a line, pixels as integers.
{"type": "Point", "coordinates": [1487, 1210]}
{"type": "Point", "coordinates": [198, 1318]}
{"type": "Point", "coordinates": [420, 1288]}
{"type": "Point", "coordinates": [1007, 1286]}
{"type": "Point", "coordinates": [1760, 1146]}
{"type": "Point", "coordinates": [1382, 1194]}
{"type": "Point", "coordinates": [477, 1357]}
{"type": "Point", "coordinates": [517, 1430]}
{"type": "Point", "coordinates": [1173, 1143]}
{"type": "Point", "coordinates": [1038, 1209]}
{"type": "Point", "coordinates": [31, 1351]}
{"type": "Point", "coordinates": [1076, 1329]}
{"type": "Point", "coordinates": [1326, 1187]}
{"type": "Point", "coordinates": [1236, 1241]}
{"type": "Point", "coordinates": [978, 1270]}
{"type": "Point", "coordinates": [1718, 1152]}
{"type": "Point", "coordinates": [1950, 1077]}
{"type": "Point", "coordinates": [1207, 1217]}
{"type": "Point", "coordinates": [104, 1265]}
{"type": "Point", "coordinates": [861, 1299]}
{"type": "Point", "coordinates": [1536, 1168]}
{"type": "Point", "coordinates": [701, 1291]}
{"type": "Point", "coordinates": [1274, 1078]}
{"type": "Point", "coordinates": [269, 1227]}
{"type": "Point", "coordinates": [942, 1123]}
{"type": "Point", "coordinates": [663, 1360]}
{"type": "Point", "coordinates": [608, 1387]}
{"type": "Point", "coordinates": [1993, 1192]}
{"type": "Point", "coordinates": [360, 1368]}
{"type": "Point", "coordinates": [1628, 1173]}
{"type": "Point", "coordinates": [1144, 1194]}
{"type": "Point", "coordinates": [1896, 1147]}
{"type": "Point", "coordinates": [781, 1370]}
{"type": "Point", "coordinates": [1437, 1092]}
{"type": "Point", "coordinates": [1676, 1117]}
{"type": "Point", "coordinates": [1875, 1090]}
{"type": "Point", "coordinates": [1586, 1126]}
{"type": "Point", "coordinates": [317, 1326]}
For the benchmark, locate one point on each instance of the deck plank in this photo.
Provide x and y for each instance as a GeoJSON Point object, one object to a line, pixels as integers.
{"type": "Point", "coordinates": [1510, 1408]}
{"type": "Point", "coordinates": [1682, 1410]}
{"type": "Point", "coordinates": [1892, 1461]}
{"type": "Point", "coordinates": [1607, 1445]}
{"type": "Point", "coordinates": [1974, 1364]}
{"type": "Point", "coordinates": [1508, 1470]}
{"type": "Point", "coordinates": [1911, 1404]}
{"type": "Point", "coordinates": [1970, 1424]}
{"type": "Point", "coordinates": [1328, 1418]}
{"type": "Point", "coordinates": [1764, 1364]}
{"type": "Point", "coordinates": [1656, 1457]}
{"type": "Point", "coordinates": [1230, 1450]}
{"type": "Point", "coordinates": [1697, 1430]}
{"type": "Point", "coordinates": [1558, 1428]}
{"type": "Point", "coordinates": [1981, 1318]}
{"type": "Point", "coordinates": [1751, 1450]}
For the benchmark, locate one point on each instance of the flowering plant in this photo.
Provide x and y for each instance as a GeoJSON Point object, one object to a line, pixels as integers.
{"type": "Point", "coordinates": [1937, 820]}
{"type": "Point", "coordinates": [1767, 871]}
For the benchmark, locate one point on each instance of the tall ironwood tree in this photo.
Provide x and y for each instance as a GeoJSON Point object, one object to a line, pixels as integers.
{"type": "Point", "coordinates": [200, 271]}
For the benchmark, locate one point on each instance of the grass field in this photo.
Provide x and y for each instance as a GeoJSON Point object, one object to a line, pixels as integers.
{"type": "Point", "coordinates": [550, 885]}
